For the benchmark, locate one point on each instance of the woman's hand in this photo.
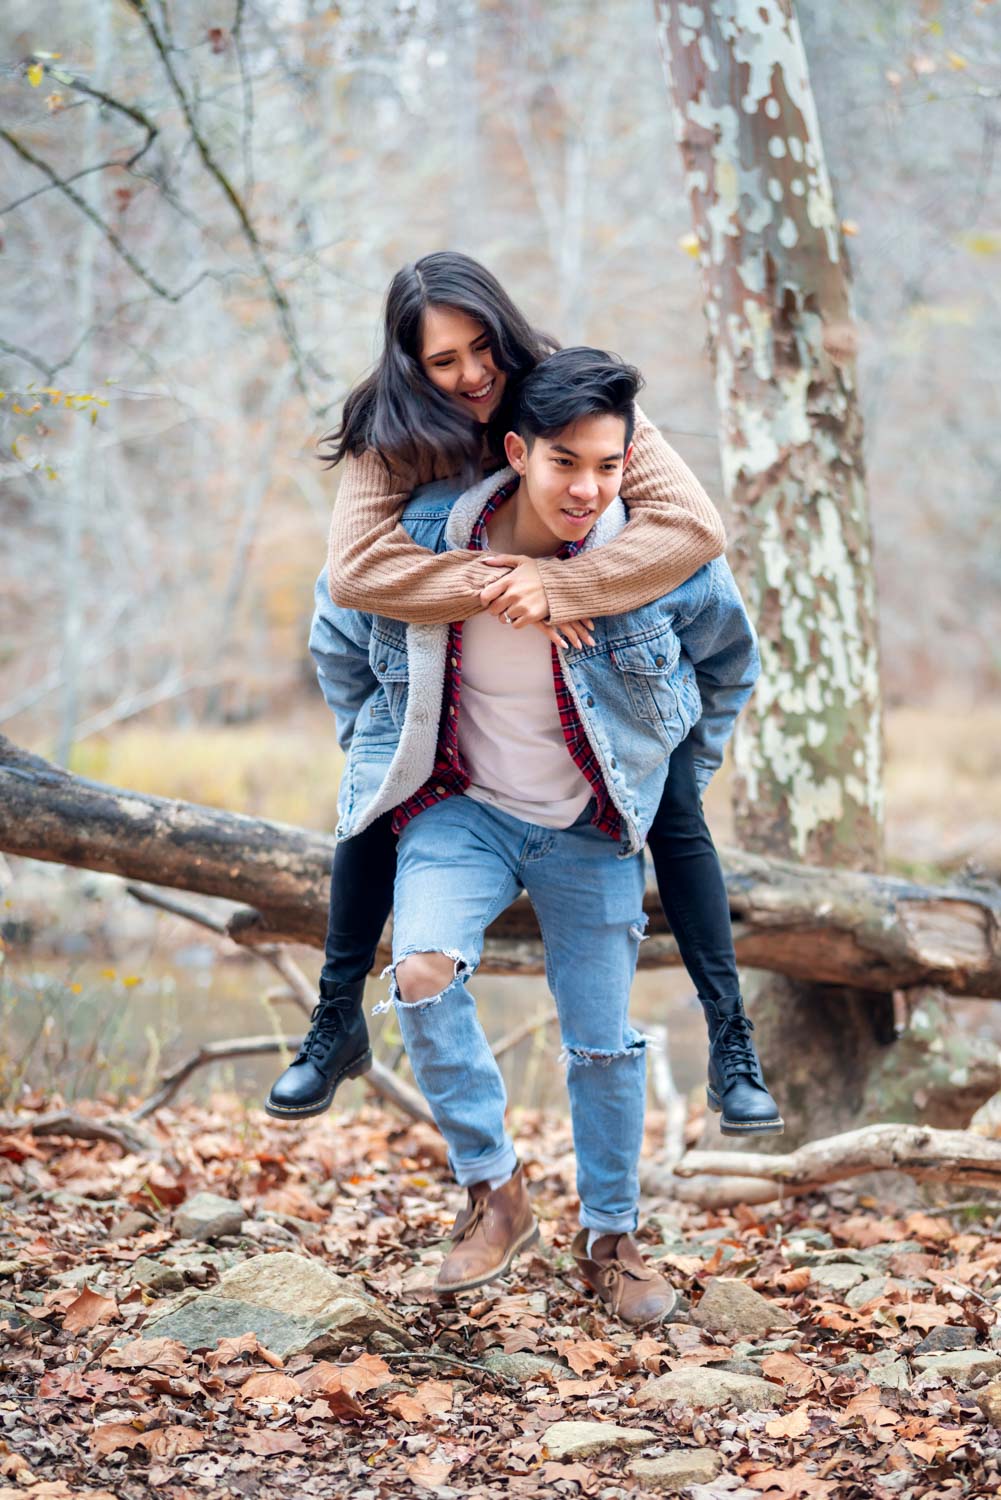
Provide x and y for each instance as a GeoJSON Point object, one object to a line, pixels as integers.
{"type": "Point", "coordinates": [519, 598]}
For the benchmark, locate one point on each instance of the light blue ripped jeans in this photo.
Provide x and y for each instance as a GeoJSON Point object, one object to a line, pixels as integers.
{"type": "Point", "coordinates": [460, 864]}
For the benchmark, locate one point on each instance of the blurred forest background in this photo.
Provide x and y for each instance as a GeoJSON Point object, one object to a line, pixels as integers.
{"type": "Point", "coordinates": [196, 240]}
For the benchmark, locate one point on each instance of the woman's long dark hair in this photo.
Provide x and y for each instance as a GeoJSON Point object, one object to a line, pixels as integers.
{"type": "Point", "coordinates": [396, 411]}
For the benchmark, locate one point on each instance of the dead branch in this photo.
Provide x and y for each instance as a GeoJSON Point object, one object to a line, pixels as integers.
{"type": "Point", "coordinates": [379, 1079]}
{"type": "Point", "coordinates": [957, 1156]}
{"type": "Point", "coordinates": [837, 927]}
{"type": "Point", "coordinates": [120, 1132]}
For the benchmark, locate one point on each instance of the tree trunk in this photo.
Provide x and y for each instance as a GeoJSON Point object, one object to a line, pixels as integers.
{"type": "Point", "coordinates": [808, 752]}
{"type": "Point", "coordinates": [842, 927]}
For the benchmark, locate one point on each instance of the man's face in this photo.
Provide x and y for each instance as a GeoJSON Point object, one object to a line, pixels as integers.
{"type": "Point", "coordinates": [571, 478]}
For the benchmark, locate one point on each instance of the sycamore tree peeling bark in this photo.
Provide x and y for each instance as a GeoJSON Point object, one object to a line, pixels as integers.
{"type": "Point", "coordinates": [808, 753]}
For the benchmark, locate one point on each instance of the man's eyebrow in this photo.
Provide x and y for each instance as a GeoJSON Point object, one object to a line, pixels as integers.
{"type": "Point", "coordinates": [562, 448]}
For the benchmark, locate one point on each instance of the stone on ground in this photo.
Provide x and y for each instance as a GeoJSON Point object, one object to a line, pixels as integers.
{"type": "Point", "coordinates": [525, 1367]}
{"type": "Point", "coordinates": [962, 1366]}
{"type": "Point", "coordinates": [947, 1340]}
{"type": "Point", "coordinates": [293, 1303]}
{"type": "Point", "coordinates": [866, 1291]}
{"type": "Point", "coordinates": [156, 1275]}
{"type": "Point", "coordinates": [989, 1401]}
{"type": "Point", "coordinates": [584, 1439]}
{"type": "Point", "coordinates": [837, 1277]}
{"type": "Point", "coordinates": [734, 1308]}
{"type": "Point", "coordinates": [676, 1471]}
{"type": "Point", "coordinates": [206, 1216]}
{"type": "Point", "coordinates": [708, 1389]}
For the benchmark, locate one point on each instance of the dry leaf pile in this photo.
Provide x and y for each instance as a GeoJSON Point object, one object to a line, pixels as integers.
{"type": "Point", "coordinates": [92, 1407]}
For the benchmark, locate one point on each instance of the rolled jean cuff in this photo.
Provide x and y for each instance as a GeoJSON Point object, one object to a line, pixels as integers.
{"type": "Point", "coordinates": [591, 1218]}
{"type": "Point", "coordinates": [500, 1162]}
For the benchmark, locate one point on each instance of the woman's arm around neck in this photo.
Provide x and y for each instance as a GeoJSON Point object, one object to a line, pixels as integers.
{"type": "Point", "coordinates": [374, 565]}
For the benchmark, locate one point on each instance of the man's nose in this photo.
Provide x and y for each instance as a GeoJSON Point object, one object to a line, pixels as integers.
{"type": "Point", "coordinates": [585, 487]}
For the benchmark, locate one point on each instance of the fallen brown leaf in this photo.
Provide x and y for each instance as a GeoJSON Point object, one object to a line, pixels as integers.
{"type": "Point", "coordinates": [266, 1443]}
{"type": "Point", "coordinates": [794, 1424]}
{"type": "Point", "coordinates": [269, 1385]}
{"type": "Point", "coordinates": [111, 1436]}
{"type": "Point", "coordinates": [89, 1309]}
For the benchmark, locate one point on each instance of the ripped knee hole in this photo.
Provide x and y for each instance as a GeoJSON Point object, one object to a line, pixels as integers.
{"type": "Point", "coordinates": [422, 976]}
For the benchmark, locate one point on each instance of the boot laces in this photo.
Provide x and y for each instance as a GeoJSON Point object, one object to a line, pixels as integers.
{"type": "Point", "coordinates": [325, 1024]}
{"type": "Point", "coordinates": [734, 1049]}
{"type": "Point", "coordinates": [468, 1225]}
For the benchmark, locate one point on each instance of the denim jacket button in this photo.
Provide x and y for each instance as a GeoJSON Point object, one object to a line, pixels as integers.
{"type": "Point", "coordinates": [613, 763]}
{"type": "Point", "coordinates": [658, 661]}
{"type": "Point", "coordinates": [590, 702]}
{"type": "Point", "coordinates": [382, 666]}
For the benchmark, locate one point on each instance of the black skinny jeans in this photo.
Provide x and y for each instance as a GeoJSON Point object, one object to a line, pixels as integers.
{"type": "Point", "coordinates": [689, 879]}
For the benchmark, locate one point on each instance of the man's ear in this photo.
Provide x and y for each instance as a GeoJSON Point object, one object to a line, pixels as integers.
{"type": "Point", "coordinates": [629, 454]}
{"type": "Point", "coordinates": [517, 451]}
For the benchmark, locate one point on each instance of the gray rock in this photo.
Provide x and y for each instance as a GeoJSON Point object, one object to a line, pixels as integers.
{"type": "Point", "coordinates": [734, 1308]}
{"type": "Point", "coordinates": [18, 1319]}
{"type": "Point", "coordinates": [947, 1340]}
{"type": "Point", "coordinates": [134, 1222]}
{"type": "Point", "coordinates": [989, 1401]}
{"type": "Point", "coordinates": [837, 1276]}
{"type": "Point", "coordinates": [709, 1389]}
{"type": "Point", "coordinates": [893, 1374]}
{"type": "Point", "coordinates": [799, 1254]}
{"type": "Point", "coordinates": [206, 1216]}
{"type": "Point", "coordinates": [887, 1249]}
{"type": "Point", "coordinates": [583, 1439]}
{"type": "Point", "coordinates": [865, 1291]}
{"type": "Point", "coordinates": [78, 1276]}
{"type": "Point", "coordinates": [293, 1304]}
{"type": "Point", "coordinates": [960, 1367]}
{"type": "Point", "coordinates": [677, 1470]}
{"type": "Point", "coordinates": [156, 1275]}
{"type": "Point", "coordinates": [739, 1366]}
{"type": "Point", "coordinates": [525, 1367]}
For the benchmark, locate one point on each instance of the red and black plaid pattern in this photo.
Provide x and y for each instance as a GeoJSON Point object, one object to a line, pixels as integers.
{"type": "Point", "coordinates": [450, 777]}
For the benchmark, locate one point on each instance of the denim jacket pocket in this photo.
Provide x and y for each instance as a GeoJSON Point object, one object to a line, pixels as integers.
{"type": "Point", "coordinates": [388, 659]}
{"type": "Point", "coordinates": [648, 669]}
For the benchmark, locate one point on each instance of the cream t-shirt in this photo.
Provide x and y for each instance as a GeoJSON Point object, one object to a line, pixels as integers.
{"type": "Point", "coordinates": [509, 726]}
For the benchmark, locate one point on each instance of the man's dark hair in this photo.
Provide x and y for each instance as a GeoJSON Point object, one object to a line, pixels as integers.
{"type": "Point", "coordinates": [575, 383]}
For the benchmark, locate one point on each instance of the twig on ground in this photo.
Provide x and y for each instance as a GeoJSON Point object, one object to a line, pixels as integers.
{"type": "Point", "coordinates": [526, 1029]}
{"type": "Point", "coordinates": [118, 1131]}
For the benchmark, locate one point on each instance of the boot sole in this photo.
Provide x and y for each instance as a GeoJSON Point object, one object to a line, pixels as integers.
{"type": "Point", "coordinates": [774, 1126]}
{"type": "Point", "coordinates": [303, 1111]}
{"type": "Point", "coordinates": [530, 1238]}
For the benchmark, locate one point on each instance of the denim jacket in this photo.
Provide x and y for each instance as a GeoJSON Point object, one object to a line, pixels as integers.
{"type": "Point", "coordinates": [684, 664]}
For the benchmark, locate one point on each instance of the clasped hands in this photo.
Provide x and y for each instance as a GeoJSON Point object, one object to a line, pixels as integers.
{"type": "Point", "coordinates": [519, 598]}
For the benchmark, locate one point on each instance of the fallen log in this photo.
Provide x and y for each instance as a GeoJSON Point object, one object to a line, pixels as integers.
{"type": "Point", "coordinates": [836, 927]}
{"type": "Point", "coordinates": [956, 1156]}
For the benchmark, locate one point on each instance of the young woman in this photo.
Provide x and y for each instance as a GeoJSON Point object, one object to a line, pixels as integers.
{"type": "Point", "coordinates": [437, 404]}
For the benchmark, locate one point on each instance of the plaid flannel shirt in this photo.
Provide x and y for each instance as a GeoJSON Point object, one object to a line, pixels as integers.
{"type": "Point", "coordinates": [450, 778]}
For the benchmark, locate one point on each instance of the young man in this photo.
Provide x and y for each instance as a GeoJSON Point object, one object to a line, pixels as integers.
{"type": "Point", "coordinates": [509, 766]}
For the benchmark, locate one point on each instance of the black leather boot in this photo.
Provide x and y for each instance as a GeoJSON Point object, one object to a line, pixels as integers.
{"type": "Point", "coordinates": [736, 1088]}
{"type": "Point", "coordinates": [335, 1047]}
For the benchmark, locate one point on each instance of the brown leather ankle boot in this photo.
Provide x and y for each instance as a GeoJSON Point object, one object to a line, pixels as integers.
{"type": "Point", "coordinates": [488, 1234]}
{"type": "Point", "coordinates": [617, 1271]}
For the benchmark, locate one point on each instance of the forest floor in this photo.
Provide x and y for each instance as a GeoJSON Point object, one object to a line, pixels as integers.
{"type": "Point", "coordinates": [823, 1347]}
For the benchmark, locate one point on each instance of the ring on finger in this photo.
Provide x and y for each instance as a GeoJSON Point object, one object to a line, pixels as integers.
{"type": "Point", "coordinates": [507, 618]}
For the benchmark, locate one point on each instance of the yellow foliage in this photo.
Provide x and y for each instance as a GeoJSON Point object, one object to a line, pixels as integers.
{"type": "Point", "coordinates": [266, 771]}
{"type": "Point", "coordinates": [35, 74]}
{"type": "Point", "coordinates": [690, 244]}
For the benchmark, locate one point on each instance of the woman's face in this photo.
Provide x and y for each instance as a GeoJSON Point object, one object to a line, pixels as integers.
{"type": "Point", "coordinates": [456, 357]}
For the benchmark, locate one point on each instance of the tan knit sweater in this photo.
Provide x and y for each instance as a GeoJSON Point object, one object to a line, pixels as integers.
{"type": "Point", "coordinates": [674, 529]}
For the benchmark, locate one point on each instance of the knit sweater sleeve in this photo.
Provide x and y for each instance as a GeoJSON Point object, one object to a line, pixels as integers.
{"type": "Point", "coordinates": [673, 530]}
{"type": "Point", "coordinates": [374, 565]}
